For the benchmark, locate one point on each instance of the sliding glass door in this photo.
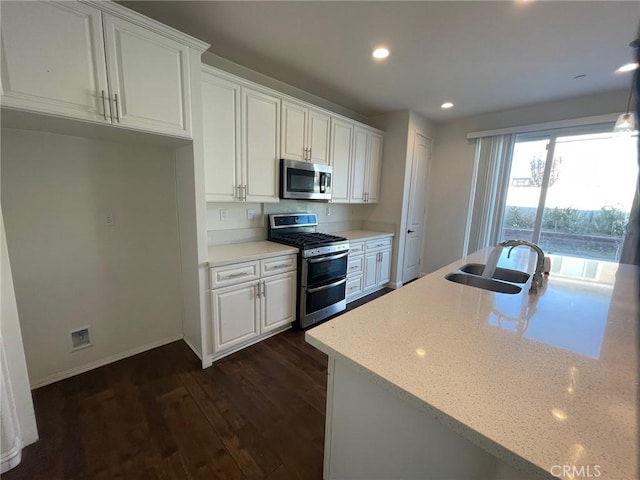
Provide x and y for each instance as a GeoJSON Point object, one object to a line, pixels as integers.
{"type": "Point", "coordinates": [572, 193]}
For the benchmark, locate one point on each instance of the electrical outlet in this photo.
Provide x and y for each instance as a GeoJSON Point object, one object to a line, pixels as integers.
{"type": "Point", "coordinates": [108, 220]}
{"type": "Point", "coordinates": [81, 338]}
{"type": "Point", "coordinates": [223, 215]}
{"type": "Point", "coordinates": [328, 211]}
{"type": "Point", "coordinates": [249, 213]}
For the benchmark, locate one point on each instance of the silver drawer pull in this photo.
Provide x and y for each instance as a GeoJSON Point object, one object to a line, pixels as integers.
{"type": "Point", "coordinates": [235, 275]}
{"type": "Point", "coordinates": [324, 287]}
{"type": "Point", "coordinates": [280, 265]}
{"type": "Point", "coordinates": [354, 267]}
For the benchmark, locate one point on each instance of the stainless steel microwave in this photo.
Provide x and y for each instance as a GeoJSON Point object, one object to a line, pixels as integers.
{"type": "Point", "coordinates": [305, 181]}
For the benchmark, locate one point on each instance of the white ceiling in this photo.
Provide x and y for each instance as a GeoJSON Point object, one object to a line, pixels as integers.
{"type": "Point", "coordinates": [481, 55]}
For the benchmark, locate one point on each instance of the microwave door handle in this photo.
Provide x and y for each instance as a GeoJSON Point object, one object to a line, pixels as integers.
{"type": "Point", "coordinates": [326, 259]}
{"type": "Point", "coordinates": [323, 181]}
{"type": "Point", "coordinates": [324, 287]}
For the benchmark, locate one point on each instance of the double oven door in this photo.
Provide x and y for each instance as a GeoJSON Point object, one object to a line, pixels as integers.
{"type": "Point", "coordinates": [322, 287]}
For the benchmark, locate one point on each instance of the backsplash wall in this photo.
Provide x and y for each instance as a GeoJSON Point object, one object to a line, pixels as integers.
{"type": "Point", "coordinates": [233, 224]}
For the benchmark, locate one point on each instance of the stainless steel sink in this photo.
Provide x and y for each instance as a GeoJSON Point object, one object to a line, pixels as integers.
{"type": "Point", "coordinates": [505, 274]}
{"type": "Point", "coordinates": [491, 284]}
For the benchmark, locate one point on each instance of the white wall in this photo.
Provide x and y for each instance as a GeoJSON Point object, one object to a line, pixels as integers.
{"type": "Point", "coordinates": [238, 228]}
{"type": "Point", "coordinates": [68, 269]}
{"type": "Point", "coordinates": [390, 213]}
{"type": "Point", "coordinates": [452, 165]}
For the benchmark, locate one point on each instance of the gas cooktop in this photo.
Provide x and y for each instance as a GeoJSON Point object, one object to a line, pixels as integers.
{"type": "Point", "coordinates": [307, 240]}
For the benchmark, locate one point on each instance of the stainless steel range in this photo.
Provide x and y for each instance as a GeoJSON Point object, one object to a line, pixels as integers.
{"type": "Point", "coordinates": [322, 265]}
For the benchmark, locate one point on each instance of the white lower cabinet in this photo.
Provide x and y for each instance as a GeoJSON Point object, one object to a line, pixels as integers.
{"type": "Point", "coordinates": [236, 315]}
{"type": "Point", "coordinates": [278, 301]}
{"type": "Point", "coordinates": [251, 301]}
{"type": "Point", "coordinates": [369, 267]}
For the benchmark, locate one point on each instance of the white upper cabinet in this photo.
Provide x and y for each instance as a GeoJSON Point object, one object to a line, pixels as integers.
{"type": "Point", "coordinates": [221, 126]}
{"type": "Point", "coordinates": [241, 136]}
{"type": "Point", "coordinates": [148, 78]}
{"type": "Point", "coordinates": [260, 146]}
{"type": "Point", "coordinates": [366, 165]}
{"type": "Point", "coordinates": [305, 133]}
{"type": "Point", "coordinates": [89, 62]}
{"type": "Point", "coordinates": [53, 59]}
{"type": "Point", "coordinates": [340, 155]}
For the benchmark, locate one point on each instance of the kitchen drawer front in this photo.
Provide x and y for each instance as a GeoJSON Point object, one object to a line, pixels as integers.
{"type": "Point", "coordinates": [356, 248]}
{"type": "Point", "coordinates": [233, 274]}
{"type": "Point", "coordinates": [378, 244]}
{"type": "Point", "coordinates": [355, 265]}
{"type": "Point", "coordinates": [275, 265]}
{"type": "Point", "coordinates": [354, 286]}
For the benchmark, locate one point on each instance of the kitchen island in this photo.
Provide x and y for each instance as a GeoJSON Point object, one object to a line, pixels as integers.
{"type": "Point", "coordinates": [440, 380]}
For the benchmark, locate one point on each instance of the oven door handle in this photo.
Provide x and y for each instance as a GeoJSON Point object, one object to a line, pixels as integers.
{"type": "Point", "coordinates": [326, 259]}
{"type": "Point", "coordinates": [324, 287]}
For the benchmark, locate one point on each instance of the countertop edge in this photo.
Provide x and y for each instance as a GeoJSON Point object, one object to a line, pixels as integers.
{"type": "Point", "coordinates": [465, 431]}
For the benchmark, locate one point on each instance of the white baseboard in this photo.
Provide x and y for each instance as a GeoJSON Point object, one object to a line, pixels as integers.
{"type": "Point", "coordinates": [394, 285]}
{"type": "Point", "coordinates": [56, 377]}
{"type": "Point", "coordinates": [11, 458]}
{"type": "Point", "coordinates": [192, 347]}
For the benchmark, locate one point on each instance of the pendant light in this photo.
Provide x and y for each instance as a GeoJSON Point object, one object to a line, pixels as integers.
{"type": "Point", "coordinates": [627, 121]}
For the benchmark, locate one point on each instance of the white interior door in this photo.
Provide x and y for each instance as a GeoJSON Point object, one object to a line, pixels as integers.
{"type": "Point", "coordinates": [416, 208]}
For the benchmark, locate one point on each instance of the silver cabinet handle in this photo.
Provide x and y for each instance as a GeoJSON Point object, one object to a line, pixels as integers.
{"type": "Point", "coordinates": [117, 108]}
{"type": "Point", "coordinates": [104, 105]}
{"type": "Point", "coordinates": [256, 288]}
{"type": "Point", "coordinates": [236, 275]}
{"type": "Point", "coordinates": [280, 265]}
{"type": "Point", "coordinates": [264, 288]}
{"type": "Point", "coordinates": [244, 193]}
{"type": "Point", "coordinates": [326, 259]}
{"type": "Point", "coordinates": [324, 287]}
{"type": "Point", "coordinates": [237, 194]}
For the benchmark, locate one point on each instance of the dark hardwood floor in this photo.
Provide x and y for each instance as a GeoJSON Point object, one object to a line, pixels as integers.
{"type": "Point", "coordinates": [257, 414]}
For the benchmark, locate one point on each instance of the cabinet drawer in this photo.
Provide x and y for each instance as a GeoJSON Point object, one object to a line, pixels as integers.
{"type": "Point", "coordinates": [378, 244]}
{"type": "Point", "coordinates": [354, 286]}
{"type": "Point", "coordinates": [356, 248]}
{"type": "Point", "coordinates": [233, 274]}
{"type": "Point", "coordinates": [275, 265]}
{"type": "Point", "coordinates": [355, 265]}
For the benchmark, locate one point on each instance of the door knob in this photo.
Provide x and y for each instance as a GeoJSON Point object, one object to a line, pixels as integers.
{"type": "Point", "coordinates": [410, 231]}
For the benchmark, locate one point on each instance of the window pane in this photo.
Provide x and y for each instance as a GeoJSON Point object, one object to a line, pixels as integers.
{"type": "Point", "coordinates": [523, 194]}
{"type": "Point", "coordinates": [591, 188]}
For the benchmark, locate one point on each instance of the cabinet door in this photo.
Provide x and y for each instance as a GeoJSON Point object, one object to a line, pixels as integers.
{"type": "Point", "coordinates": [319, 127]}
{"type": "Point", "coordinates": [374, 164]}
{"type": "Point", "coordinates": [236, 315]}
{"type": "Point", "coordinates": [149, 75]}
{"type": "Point", "coordinates": [53, 59]}
{"type": "Point", "coordinates": [359, 165]}
{"type": "Point", "coordinates": [221, 137]}
{"type": "Point", "coordinates": [340, 159]}
{"type": "Point", "coordinates": [294, 121]}
{"type": "Point", "coordinates": [370, 279]}
{"type": "Point", "coordinates": [260, 145]}
{"type": "Point", "coordinates": [384, 268]}
{"type": "Point", "coordinates": [354, 287]}
{"type": "Point", "coordinates": [278, 301]}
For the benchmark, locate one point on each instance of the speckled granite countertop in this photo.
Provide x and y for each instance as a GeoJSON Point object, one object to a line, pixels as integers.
{"type": "Point", "coordinates": [536, 380]}
{"type": "Point", "coordinates": [245, 252]}
{"type": "Point", "coordinates": [355, 235]}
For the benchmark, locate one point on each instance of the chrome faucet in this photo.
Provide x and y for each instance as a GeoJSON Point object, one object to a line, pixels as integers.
{"type": "Point", "coordinates": [537, 275]}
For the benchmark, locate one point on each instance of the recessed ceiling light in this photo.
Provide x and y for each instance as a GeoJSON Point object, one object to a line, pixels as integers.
{"type": "Point", "coordinates": [446, 105]}
{"type": "Point", "coordinates": [628, 67]}
{"type": "Point", "coordinates": [380, 53]}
